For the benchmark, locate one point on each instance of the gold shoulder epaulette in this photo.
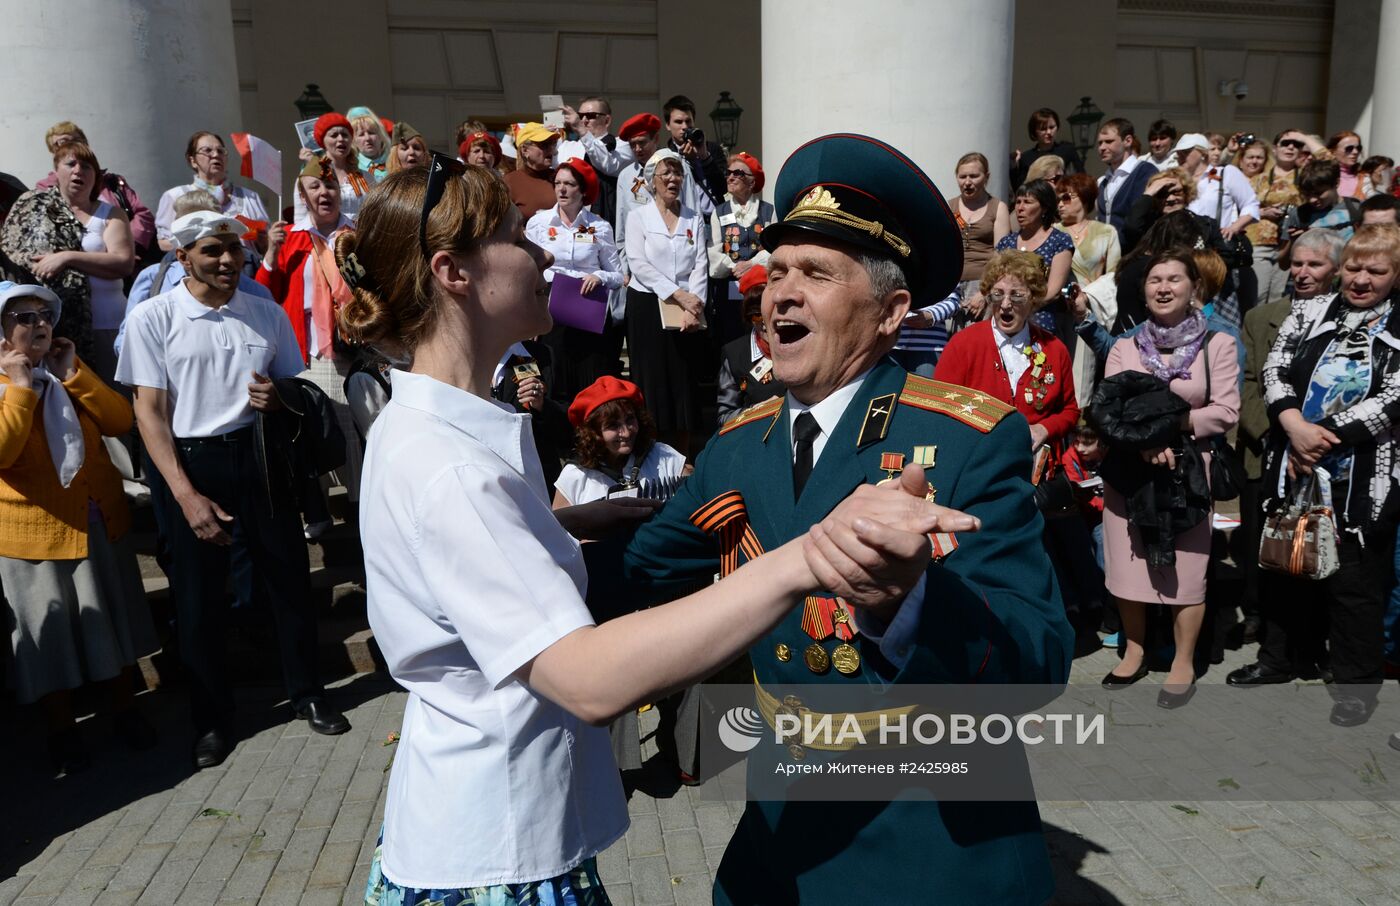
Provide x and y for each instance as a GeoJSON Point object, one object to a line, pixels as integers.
{"type": "Point", "coordinates": [766, 409]}
{"type": "Point", "coordinates": [971, 407]}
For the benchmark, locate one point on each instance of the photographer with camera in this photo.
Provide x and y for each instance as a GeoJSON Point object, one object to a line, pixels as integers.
{"type": "Point", "coordinates": [705, 159]}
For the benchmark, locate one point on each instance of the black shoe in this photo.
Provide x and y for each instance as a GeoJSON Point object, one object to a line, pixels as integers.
{"type": "Point", "coordinates": [322, 717]}
{"type": "Point", "coordinates": [1171, 700]}
{"type": "Point", "coordinates": [1114, 681]}
{"type": "Point", "coordinates": [67, 755]}
{"type": "Point", "coordinates": [1251, 630]}
{"type": "Point", "coordinates": [132, 728]}
{"type": "Point", "coordinates": [1350, 711]}
{"type": "Point", "coordinates": [210, 750]}
{"type": "Point", "coordinates": [1257, 675]}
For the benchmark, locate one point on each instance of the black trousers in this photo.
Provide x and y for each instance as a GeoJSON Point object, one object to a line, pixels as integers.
{"type": "Point", "coordinates": [1347, 611]}
{"type": "Point", "coordinates": [224, 470]}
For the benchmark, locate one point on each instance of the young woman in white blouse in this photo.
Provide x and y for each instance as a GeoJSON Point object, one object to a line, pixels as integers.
{"type": "Point", "coordinates": [582, 246]}
{"type": "Point", "coordinates": [502, 787]}
{"type": "Point", "coordinates": [668, 259]}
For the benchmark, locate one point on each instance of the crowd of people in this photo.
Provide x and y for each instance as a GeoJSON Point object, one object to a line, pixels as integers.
{"type": "Point", "coordinates": [1208, 319]}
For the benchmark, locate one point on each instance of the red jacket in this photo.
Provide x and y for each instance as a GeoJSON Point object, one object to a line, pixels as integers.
{"type": "Point", "coordinates": [1077, 471]}
{"type": "Point", "coordinates": [971, 359]}
{"type": "Point", "coordinates": [288, 282]}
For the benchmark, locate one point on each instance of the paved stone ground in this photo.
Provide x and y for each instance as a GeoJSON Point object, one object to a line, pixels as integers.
{"type": "Point", "coordinates": [291, 818]}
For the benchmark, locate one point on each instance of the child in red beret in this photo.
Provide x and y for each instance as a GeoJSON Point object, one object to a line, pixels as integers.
{"type": "Point", "coordinates": [616, 451]}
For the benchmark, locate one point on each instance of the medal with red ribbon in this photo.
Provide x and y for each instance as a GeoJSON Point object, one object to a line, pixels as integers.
{"type": "Point", "coordinates": [823, 617]}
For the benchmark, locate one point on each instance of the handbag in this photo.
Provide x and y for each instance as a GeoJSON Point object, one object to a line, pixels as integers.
{"type": "Point", "coordinates": [1237, 251]}
{"type": "Point", "coordinates": [1227, 478]}
{"type": "Point", "coordinates": [1300, 538]}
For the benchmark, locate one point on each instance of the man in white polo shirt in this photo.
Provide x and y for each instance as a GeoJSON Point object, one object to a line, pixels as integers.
{"type": "Point", "coordinates": [201, 360]}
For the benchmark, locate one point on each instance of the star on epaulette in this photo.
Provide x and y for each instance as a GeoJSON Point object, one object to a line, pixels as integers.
{"type": "Point", "coordinates": [971, 407]}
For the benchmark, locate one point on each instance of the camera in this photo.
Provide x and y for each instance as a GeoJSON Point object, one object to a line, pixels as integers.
{"type": "Point", "coordinates": [694, 136]}
{"type": "Point", "coordinates": [1245, 138]}
{"type": "Point", "coordinates": [1241, 90]}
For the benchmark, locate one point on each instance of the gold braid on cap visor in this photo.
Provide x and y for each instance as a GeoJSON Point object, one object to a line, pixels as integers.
{"type": "Point", "coordinates": [819, 204]}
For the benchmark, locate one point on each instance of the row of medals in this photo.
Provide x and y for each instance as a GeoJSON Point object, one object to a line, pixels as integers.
{"type": "Point", "coordinates": [844, 657]}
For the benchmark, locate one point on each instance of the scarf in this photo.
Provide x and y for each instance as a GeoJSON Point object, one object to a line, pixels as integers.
{"type": "Point", "coordinates": [328, 292]}
{"type": "Point", "coordinates": [1185, 340]}
{"type": "Point", "coordinates": [62, 431]}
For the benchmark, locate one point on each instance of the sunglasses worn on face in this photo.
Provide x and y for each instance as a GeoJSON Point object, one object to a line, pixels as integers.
{"type": "Point", "coordinates": [1291, 143]}
{"type": "Point", "coordinates": [738, 174]}
{"type": "Point", "coordinates": [440, 169]}
{"type": "Point", "coordinates": [1348, 149]}
{"type": "Point", "coordinates": [32, 318]}
{"type": "Point", "coordinates": [1065, 197]}
{"type": "Point", "coordinates": [590, 116]}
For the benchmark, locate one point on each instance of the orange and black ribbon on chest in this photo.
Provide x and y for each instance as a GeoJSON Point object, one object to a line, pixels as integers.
{"type": "Point", "coordinates": [727, 517]}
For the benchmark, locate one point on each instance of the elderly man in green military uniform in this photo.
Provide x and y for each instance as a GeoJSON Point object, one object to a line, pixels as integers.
{"type": "Point", "coordinates": [861, 232]}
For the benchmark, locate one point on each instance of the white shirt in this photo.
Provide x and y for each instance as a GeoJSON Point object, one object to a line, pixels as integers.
{"type": "Point", "coordinates": [1013, 359]}
{"type": "Point", "coordinates": [633, 194]}
{"type": "Point", "coordinates": [580, 485]}
{"type": "Point", "coordinates": [204, 358]}
{"type": "Point", "coordinates": [894, 642]}
{"type": "Point", "coordinates": [584, 249]}
{"type": "Point", "coordinates": [1110, 184]}
{"type": "Point", "coordinates": [1165, 163]}
{"type": "Point", "coordinates": [470, 577]}
{"type": "Point", "coordinates": [233, 200]}
{"type": "Point", "coordinates": [662, 261]}
{"type": "Point", "coordinates": [1239, 199]}
{"type": "Point", "coordinates": [591, 148]}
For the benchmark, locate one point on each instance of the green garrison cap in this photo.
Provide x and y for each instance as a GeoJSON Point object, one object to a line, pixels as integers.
{"type": "Point", "coordinates": [859, 190]}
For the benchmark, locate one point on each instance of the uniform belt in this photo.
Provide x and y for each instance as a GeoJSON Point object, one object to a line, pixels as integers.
{"type": "Point", "coordinates": [232, 437]}
{"type": "Point", "coordinates": [870, 722]}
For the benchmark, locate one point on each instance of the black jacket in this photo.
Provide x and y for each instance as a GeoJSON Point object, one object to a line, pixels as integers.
{"type": "Point", "coordinates": [296, 445]}
{"type": "Point", "coordinates": [554, 436]}
{"type": "Point", "coordinates": [1135, 411]}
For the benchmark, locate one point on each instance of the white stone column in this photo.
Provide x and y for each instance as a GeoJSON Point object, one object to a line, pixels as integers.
{"type": "Point", "coordinates": [1385, 99]}
{"type": "Point", "coordinates": [138, 76]}
{"type": "Point", "coordinates": [932, 79]}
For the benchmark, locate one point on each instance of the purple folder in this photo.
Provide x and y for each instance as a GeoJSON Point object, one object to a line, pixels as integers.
{"type": "Point", "coordinates": [570, 305]}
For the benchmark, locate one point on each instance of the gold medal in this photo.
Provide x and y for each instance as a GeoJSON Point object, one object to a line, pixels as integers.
{"type": "Point", "coordinates": [783, 652]}
{"type": "Point", "coordinates": [818, 661]}
{"type": "Point", "coordinates": [846, 658]}
{"type": "Point", "coordinates": [797, 752]}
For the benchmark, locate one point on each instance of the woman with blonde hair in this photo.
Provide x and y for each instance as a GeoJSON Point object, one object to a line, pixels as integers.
{"type": "Point", "coordinates": [1049, 168]}
{"type": "Point", "coordinates": [406, 149]}
{"type": "Point", "coordinates": [371, 140]}
{"type": "Point", "coordinates": [503, 788]}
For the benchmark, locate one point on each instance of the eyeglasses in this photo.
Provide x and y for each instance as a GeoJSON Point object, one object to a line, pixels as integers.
{"type": "Point", "coordinates": [212, 152]}
{"type": "Point", "coordinates": [738, 174]}
{"type": "Point", "coordinates": [996, 297]}
{"type": "Point", "coordinates": [1292, 143]}
{"type": "Point", "coordinates": [591, 116]}
{"type": "Point", "coordinates": [440, 169]}
{"type": "Point", "coordinates": [32, 318]}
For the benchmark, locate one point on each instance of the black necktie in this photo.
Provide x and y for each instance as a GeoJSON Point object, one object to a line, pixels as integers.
{"type": "Point", "coordinates": [805, 432]}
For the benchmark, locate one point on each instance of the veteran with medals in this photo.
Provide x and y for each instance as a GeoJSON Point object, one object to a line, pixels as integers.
{"type": "Point", "coordinates": [861, 234]}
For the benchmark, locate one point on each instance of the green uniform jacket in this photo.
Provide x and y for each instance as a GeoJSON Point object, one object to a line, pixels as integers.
{"type": "Point", "coordinates": [1261, 326]}
{"type": "Point", "coordinates": [991, 614]}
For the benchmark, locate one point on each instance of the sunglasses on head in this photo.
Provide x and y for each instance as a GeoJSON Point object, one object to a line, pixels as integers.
{"type": "Point", "coordinates": [33, 318]}
{"type": "Point", "coordinates": [440, 169]}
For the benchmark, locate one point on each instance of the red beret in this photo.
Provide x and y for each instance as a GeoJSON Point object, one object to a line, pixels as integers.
{"type": "Point", "coordinates": [604, 390]}
{"type": "Point", "coordinates": [587, 177]}
{"type": "Point", "coordinates": [754, 276]}
{"type": "Point", "coordinates": [475, 137]}
{"type": "Point", "coordinates": [388, 125]}
{"type": "Point", "coordinates": [641, 124]}
{"type": "Point", "coordinates": [754, 166]}
{"type": "Point", "coordinates": [325, 123]}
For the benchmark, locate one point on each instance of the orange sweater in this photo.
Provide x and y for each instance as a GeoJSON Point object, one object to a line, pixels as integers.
{"type": "Point", "coordinates": [39, 518]}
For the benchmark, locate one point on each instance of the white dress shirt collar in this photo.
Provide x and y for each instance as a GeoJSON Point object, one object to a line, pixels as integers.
{"type": "Point", "coordinates": [494, 425]}
{"type": "Point", "coordinates": [827, 412]}
{"type": "Point", "coordinates": [1011, 349]}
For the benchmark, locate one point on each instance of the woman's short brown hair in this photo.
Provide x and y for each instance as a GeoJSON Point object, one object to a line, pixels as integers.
{"type": "Point", "coordinates": [396, 297]}
{"type": "Point", "coordinates": [1375, 239]}
{"type": "Point", "coordinates": [1182, 255]}
{"type": "Point", "coordinates": [588, 437]}
{"type": "Point", "coordinates": [84, 154]}
{"type": "Point", "coordinates": [1083, 187]}
{"type": "Point", "coordinates": [974, 157]}
{"type": "Point", "coordinates": [1212, 269]}
{"type": "Point", "coordinates": [1024, 266]}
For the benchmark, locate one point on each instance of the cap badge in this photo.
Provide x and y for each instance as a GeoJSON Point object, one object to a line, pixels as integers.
{"type": "Point", "coordinates": [820, 204]}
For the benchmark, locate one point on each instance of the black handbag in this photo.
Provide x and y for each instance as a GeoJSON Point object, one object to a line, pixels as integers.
{"type": "Point", "coordinates": [1227, 477]}
{"type": "Point", "coordinates": [1237, 251]}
